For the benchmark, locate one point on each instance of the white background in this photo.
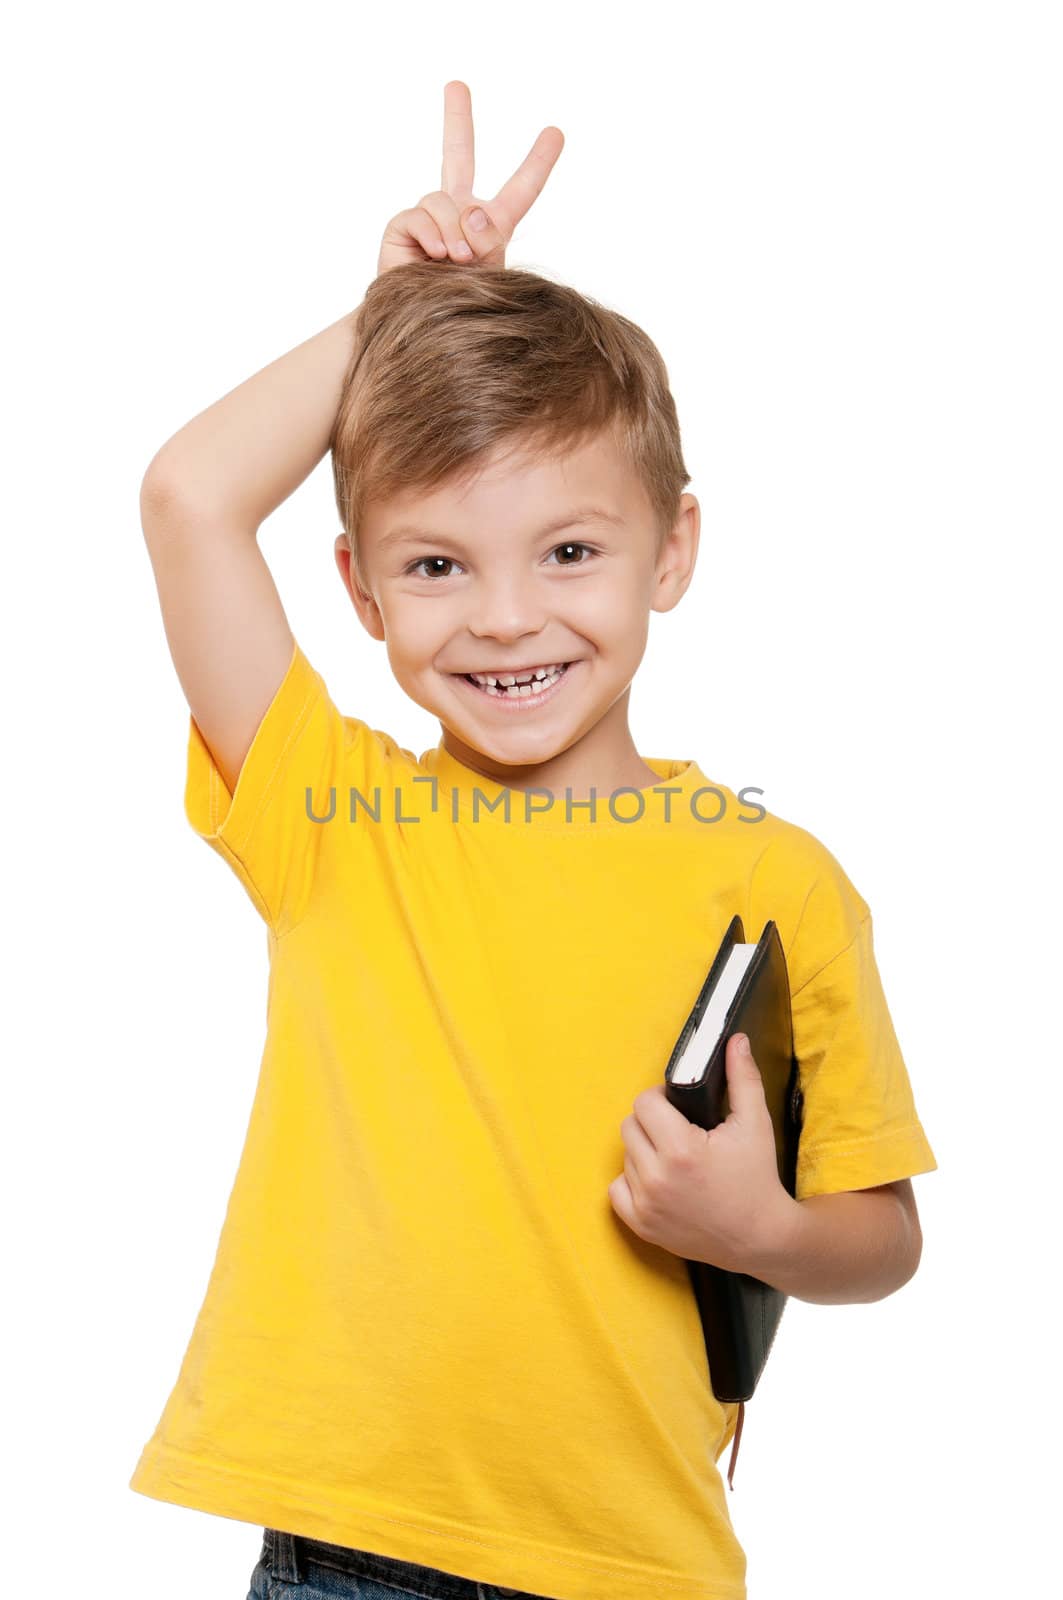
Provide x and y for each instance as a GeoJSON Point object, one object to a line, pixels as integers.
{"type": "Point", "coordinates": [841, 225]}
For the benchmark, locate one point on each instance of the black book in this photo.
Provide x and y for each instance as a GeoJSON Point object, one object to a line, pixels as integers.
{"type": "Point", "coordinates": [746, 991]}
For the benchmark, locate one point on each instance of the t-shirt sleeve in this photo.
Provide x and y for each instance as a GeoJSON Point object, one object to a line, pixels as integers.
{"type": "Point", "coordinates": [861, 1128]}
{"type": "Point", "coordinates": [266, 830]}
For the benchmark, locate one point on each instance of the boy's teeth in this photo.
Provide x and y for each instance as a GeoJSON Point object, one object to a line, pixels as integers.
{"type": "Point", "coordinates": [508, 679]}
{"type": "Point", "coordinates": [517, 685]}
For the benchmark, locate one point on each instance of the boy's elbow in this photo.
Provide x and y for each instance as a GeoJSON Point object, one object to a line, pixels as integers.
{"type": "Point", "coordinates": [158, 494]}
{"type": "Point", "coordinates": [914, 1258]}
{"type": "Point", "coordinates": [912, 1233]}
{"type": "Point", "coordinates": [905, 1248]}
{"type": "Point", "coordinates": [913, 1249]}
{"type": "Point", "coordinates": [901, 1264]}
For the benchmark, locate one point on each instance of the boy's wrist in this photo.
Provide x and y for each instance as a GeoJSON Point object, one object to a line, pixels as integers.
{"type": "Point", "coordinates": [778, 1238]}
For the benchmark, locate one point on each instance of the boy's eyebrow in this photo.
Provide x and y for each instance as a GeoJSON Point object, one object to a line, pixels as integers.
{"type": "Point", "coordinates": [407, 533]}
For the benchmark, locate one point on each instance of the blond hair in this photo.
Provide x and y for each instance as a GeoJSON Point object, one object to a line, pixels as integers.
{"type": "Point", "coordinates": [450, 362]}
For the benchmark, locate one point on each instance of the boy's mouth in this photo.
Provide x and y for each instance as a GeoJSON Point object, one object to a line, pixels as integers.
{"type": "Point", "coordinates": [531, 688]}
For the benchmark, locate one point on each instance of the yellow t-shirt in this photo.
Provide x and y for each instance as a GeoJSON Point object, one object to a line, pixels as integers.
{"type": "Point", "coordinates": [426, 1332]}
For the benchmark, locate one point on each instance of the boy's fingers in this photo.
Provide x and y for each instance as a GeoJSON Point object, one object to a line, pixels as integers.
{"type": "Point", "coordinates": [417, 225]}
{"type": "Point", "coordinates": [444, 214]}
{"type": "Point", "coordinates": [517, 196]}
{"type": "Point", "coordinates": [458, 138]}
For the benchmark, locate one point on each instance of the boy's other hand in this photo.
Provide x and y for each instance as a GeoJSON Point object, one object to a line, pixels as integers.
{"type": "Point", "coordinates": [708, 1195]}
{"type": "Point", "coordinates": [442, 225]}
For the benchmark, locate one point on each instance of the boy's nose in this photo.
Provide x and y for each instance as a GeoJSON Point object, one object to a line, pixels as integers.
{"type": "Point", "coordinates": [508, 613]}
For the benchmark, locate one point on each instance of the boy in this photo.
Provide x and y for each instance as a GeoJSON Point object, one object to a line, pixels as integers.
{"type": "Point", "coordinates": [445, 1347]}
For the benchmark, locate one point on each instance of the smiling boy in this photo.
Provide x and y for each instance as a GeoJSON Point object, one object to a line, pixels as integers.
{"type": "Point", "coordinates": [444, 1348]}
{"type": "Point", "coordinates": [496, 595]}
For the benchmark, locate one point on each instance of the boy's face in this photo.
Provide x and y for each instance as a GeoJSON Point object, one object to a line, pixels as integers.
{"type": "Point", "coordinates": [496, 582]}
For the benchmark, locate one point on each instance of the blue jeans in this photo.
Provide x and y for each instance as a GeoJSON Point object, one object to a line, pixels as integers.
{"type": "Point", "coordinates": [292, 1567]}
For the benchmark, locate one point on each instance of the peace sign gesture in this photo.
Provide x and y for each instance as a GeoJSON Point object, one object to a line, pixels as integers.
{"type": "Point", "coordinates": [443, 223]}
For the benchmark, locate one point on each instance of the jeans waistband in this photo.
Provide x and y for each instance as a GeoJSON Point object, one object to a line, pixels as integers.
{"type": "Point", "coordinates": [287, 1556]}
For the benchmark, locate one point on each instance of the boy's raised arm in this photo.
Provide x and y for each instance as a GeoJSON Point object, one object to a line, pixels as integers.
{"type": "Point", "coordinates": [203, 499]}
{"type": "Point", "coordinates": [208, 490]}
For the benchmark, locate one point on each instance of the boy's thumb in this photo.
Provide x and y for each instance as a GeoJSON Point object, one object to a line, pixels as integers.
{"type": "Point", "coordinates": [478, 226]}
{"type": "Point", "coordinates": [744, 1082]}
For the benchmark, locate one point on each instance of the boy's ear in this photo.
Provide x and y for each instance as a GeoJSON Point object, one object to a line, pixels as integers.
{"type": "Point", "coordinates": [675, 565]}
{"type": "Point", "coordinates": [364, 604]}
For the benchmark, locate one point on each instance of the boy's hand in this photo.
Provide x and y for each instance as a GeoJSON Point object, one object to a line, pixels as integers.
{"type": "Point", "coordinates": [706, 1195]}
{"type": "Point", "coordinates": [441, 225]}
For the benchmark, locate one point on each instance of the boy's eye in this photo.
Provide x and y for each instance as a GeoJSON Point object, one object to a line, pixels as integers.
{"type": "Point", "coordinates": [426, 561]}
{"type": "Point", "coordinates": [446, 561]}
{"type": "Point", "coordinates": [573, 545]}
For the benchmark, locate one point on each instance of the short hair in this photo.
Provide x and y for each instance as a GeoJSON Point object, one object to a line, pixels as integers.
{"type": "Point", "coordinates": [450, 362]}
